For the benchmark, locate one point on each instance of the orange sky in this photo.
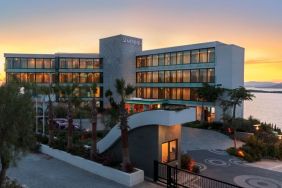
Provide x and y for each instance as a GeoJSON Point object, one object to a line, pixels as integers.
{"type": "Point", "coordinates": [76, 26]}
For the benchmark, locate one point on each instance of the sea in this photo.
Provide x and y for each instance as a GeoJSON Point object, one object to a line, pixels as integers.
{"type": "Point", "coordinates": [267, 107]}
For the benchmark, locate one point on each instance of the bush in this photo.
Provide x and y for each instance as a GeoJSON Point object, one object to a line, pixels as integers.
{"type": "Point", "coordinates": [8, 183]}
{"type": "Point", "coordinates": [196, 169]}
{"type": "Point", "coordinates": [186, 161]}
{"type": "Point", "coordinates": [42, 139]}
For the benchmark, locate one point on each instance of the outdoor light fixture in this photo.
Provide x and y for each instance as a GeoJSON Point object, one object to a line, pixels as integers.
{"type": "Point", "coordinates": [257, 126]}
{"type": "Point", "coordinates": [280, 136]}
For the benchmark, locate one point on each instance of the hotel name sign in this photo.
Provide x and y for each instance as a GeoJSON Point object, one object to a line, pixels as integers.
{"type": "Point", "coordinates": [131, 41]}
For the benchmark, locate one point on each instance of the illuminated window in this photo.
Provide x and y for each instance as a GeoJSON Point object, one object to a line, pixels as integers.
{"type": "Point", "coordinates": [186, 76]}
{"type": "Point", "coordinates": [75, 77]}
{"type": "Point", "coordinates": [155, 93]}
{"type": "Point", "coordinates": [179, 58]}
{"type": "Point", "coordinates": [186, 94]}
{"type": "Point", "coordinates": [179, 76]}
{"type": "Point", "coordinates": [47, 78]}
{"type": "Point", "coordinates": [31, 63]}
{"type": "Point", "coordinates": [155, 60]}
{"type": "Point", "coordinates": [167, 59]}
{"type": "Point", "coordinates": [138, 62]}
{"type": "Point", "coordinates": [63, 63]}
{"type": "Point", "coordinates": [173, 58]}
{"type": "Point", "coordinates": [149, 61]}
{"type": "Point", "coordinates": [173, 93]}
{"type": "Point", "coordinates": [83, 63]}
{"type": "Point", "coordinates": [47, 63]}
{"type": "Point", "coordinates": [210, 75]}
{"type": "Point", "coordinates": [203, 56]}
{"type": "Point", "coordinates": [39, 78]}
{"type": "Point", "coordinates": [173, 76]}
{"type": "Point", "coordinates": [83, 77]}
{"type": "Point", "coordinates": [31, 77]}
{"type": "Point", "coordinates": [179, 93]}
{"type": "Point", "coordinates": [23, 77]}
{"type": "Point", "coordinates": [161, 76]}
{"type": "Point", "coordinates": [89, 63]}
{"type": "Point", "coordinates": [167, 76]}
{"type": "Point", "coordinates": [96, 63]}
{"type": "Point", "coordinates": [75, 63]}
{"type": "Point", "coordinates": [155, 77]}
{"type": "Point", "coordinates": [167, 93]}
{"type": "Point", "coordinates": [149, 77]}
{"type": "Point", "coordinates": [169, 151]}
{"type": "Point", "coordinates": [186, 57]}
{"type": "Point", "coordinates": [69, 63]}
{"type": "Point", "coordinates": [39, 64]}
{"type": "Point", "coordinates": [203, 75]}
{"type": "Point", "coordinates": [195, 56]}
{"type": "Point", "coordinates": [17, 63]}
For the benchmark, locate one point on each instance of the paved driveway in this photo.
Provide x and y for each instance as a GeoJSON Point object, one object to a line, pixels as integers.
{"type": "Point", "coordinates": [195, 139]}
{"type": "Point", "coordinates": [42, 171]}
{"type": "Point", "coordinates": [219, 165]}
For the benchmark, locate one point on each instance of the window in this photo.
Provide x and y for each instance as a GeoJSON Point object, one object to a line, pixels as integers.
{"type": "Point", "coordinates": [47, 63]}
{"type": "Point", "coordinates": [63, 63]}
{"type": "Point", "coordinates": [65, 77]}
{"type": "Point", "coordinates": [149, 61]}
{"type": "Point", "coordinates": [167, 76]}
{"type": "Point", "coordinates": [155, 60]}
{"type": "Point", "coordinates": [155, 77]}
{"type": "Point", "coordinates": [83, 63]}
{"type": "Point", "coordinates": [186, 94]}
{"type": "Point", "coordinates": [83, 78]}
{"type": "Point", "coordinates": [167, 59]}
{"type": "Point", "coordinates": [148, 93]}
{"type": "Point", "coordinates": [193, 94]}
{"type": "Point", "coordinates": [210, 75]}
{"type": "Point", "coordinates": [139, 77]}
{"type": "Point", "coordinates": [69, 63]}
{"type": "Point", "coordinates": [9, 63]}
{"type": "Point", "coordinates": [31, 77]}
{"type": "Point", "coordinates": [39, 78]}
{"type": "Point", "coordinates": [173, 93]}
{"type": "Point", "coordinates": [96, 64]}
{"type": "Point", "coordinates": [211, 55]}
{"type": "Point", "coordinates": [169, 151]}
{"type": "Point", "coordinates": [17, 63]}
{"type": "Point", "coordinates": [203, 75]}
{"type": "Point", "coordinates": [161, 93]}
{"type": "Point", "coordinates": [195, 56]}
{"type": "Point", "coordinates": [155, 93]}
{"type": "Point", "coordinates": [161, 76]}
{"type": "Point", "coordinates": [75, 77]}
{"type": "Point", "coordinates": [143, 61]}
{"type": "Point", "coordinates": [23, 77]}
{"type": "Point", "coordinates": [167, 93]}
{"type": "Point", "coordinates": [24, 63]}
{"type": "Point", "coordinates": [179, 58]}
{"type": "Point", "coordinates": [194, 75]}
{"type": "Point", "coordinates": [161, 60]}
{"type": "Point", "coordinates": [47, 78]}
{"type": "Point", "coordinates": [39, 64]}
{"type": "Point", "coordinates": [138, 62]}
{"type": "Point", "coordinates": [179, 93]}
{"type": "Point", "coordinates": [89, 63]}
{"type": "Point", "coordinates": [186, 75]}
{"type": "Point", "coordinates": [173, 58]}
{"type": "Point", "coordinates": [186, 57]}
{"type": "Point", "coordinates": [179, 76]}
{"type": "Point", "coordinates": [75, 63]}
{"type": "Point", "coordinates": [149, 77]}
{"type": "Point", "coordinates": [203, 56]}
{"type": "Point", "coordinates": [173, 76]}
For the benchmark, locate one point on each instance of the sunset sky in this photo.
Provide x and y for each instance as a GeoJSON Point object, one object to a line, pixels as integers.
{"type": "Point", "coordinates": [37, 26]}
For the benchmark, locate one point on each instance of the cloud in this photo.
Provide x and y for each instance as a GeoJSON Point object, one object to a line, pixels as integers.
{"type": "Point", "coordinates": [264, 61]}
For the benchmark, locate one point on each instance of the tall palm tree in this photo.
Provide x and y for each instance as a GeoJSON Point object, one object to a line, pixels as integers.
{"type": "Point", "coordinates": [208, 93]}
{"type": "Point", "coordinates": [94, 113]}
{"type": "Point", "coordinates": [124, 90]}
{"type": "Point", "coordinates": [236, 98]}
{"type": "Point", "coordinates": [69, 96]}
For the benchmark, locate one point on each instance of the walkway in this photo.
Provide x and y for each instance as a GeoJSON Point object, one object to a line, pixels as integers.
{"type": "Point", "coordinates": [39, 170]}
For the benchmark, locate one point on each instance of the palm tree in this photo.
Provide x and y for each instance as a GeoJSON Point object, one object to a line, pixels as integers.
{"type": "Point", "coordinates": [94, 113]}
{"type": "Point", "coordinates": [208, 93]}
{"type": "Point", "coordinates": [124, 90]}
{"type": "Point", "coordinates": [236, 98]}
{"type": "Point", "coordinates": [69, 95]}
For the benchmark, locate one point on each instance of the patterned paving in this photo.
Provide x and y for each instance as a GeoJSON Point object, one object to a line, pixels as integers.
{"type": "Point", "coordinates": [251, 181]}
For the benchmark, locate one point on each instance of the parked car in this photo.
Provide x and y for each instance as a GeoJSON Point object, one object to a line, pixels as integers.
{"type": "Point", "coordinates": [62, 123]}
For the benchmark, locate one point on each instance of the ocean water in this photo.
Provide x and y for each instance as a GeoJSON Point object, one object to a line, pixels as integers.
{"type": "Point", "coordinates": [267, 107]}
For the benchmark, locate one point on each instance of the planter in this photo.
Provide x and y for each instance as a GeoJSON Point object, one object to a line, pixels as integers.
{"type": "Point", "coordinates": [127, 179]}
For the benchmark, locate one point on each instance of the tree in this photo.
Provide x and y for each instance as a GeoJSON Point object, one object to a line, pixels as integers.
{"type": "Point", "coordinates": [236, 98]}
{"type": "Point", "coordinates": [16, 126]}
{"type": "Point", "coordinates": [124, 90]}
{"type": "Point", "coordinates": [70, 96]}
{"type": "Point", "coordinates": [208, 93]}
{"type": "Point", "coordinates": [49, 91]}
{"type": "Point", "coordinates": [94, 113]}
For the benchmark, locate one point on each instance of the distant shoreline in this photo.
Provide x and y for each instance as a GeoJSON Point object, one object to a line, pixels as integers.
{"type": "Point", "coordinates": [263, 91]}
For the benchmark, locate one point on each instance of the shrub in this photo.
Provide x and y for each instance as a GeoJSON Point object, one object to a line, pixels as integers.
{"type": "Point", "coordinates": [232, 151]}
{"type": "Point", "coordinates": [8, 183]}
{"type": "Point", "coordinates": [186, 161]}
{"type": "Point", "coordinates": [196, 169]}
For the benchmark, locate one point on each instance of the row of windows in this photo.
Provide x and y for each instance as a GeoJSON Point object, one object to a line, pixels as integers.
{"type": "Point", "coordinates": [30, 63]}
{"type": "Point", "coordinates": [81, 77]}
{"type": "Point", "coordinates": [31, 77]}
{"type": "Point", "coordinates": [85, 92]}
{"type": "Point", "coordinates": [47, 63]}
{"type": "Point", "coordinates": [74, 63]}
{"type": "Point", "coordinates": [177, 58]}
{"type": "Point", "coordinates": [177, 76]}
{"type": "Point", "coordinates": [189, 94]}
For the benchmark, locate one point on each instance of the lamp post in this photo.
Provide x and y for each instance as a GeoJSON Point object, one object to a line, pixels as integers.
{"type": "Point", "coordinates": [257, 126]}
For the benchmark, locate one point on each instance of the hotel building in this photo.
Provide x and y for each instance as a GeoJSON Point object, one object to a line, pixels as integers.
{"type": "Point", "coordinates": [166, 76]}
